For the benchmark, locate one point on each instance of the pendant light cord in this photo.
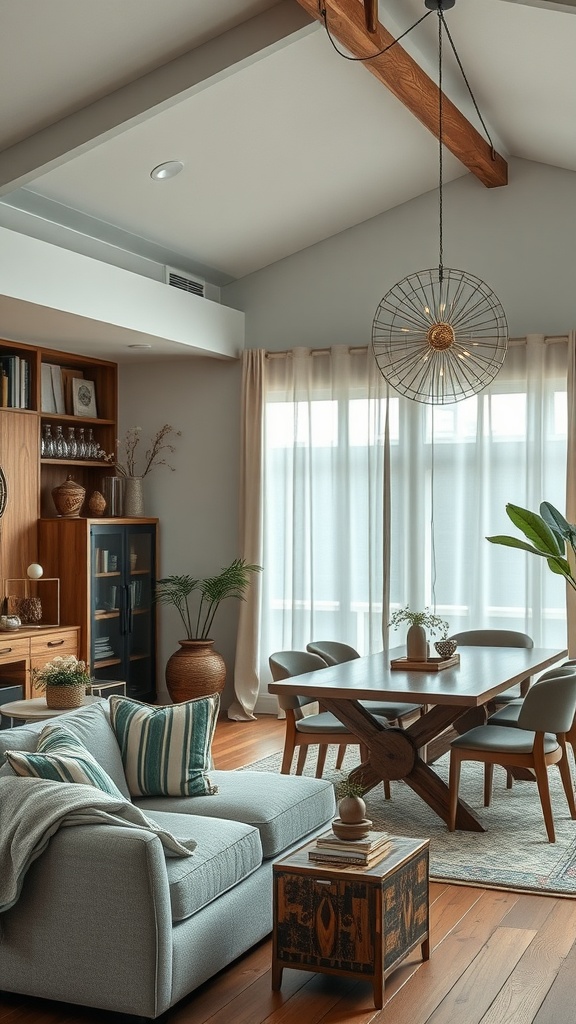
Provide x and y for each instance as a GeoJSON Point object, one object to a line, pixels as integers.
{"type": "Point", "coordinates": [346, 56]}
{"type": "Point", "coordinates": [440, 153]}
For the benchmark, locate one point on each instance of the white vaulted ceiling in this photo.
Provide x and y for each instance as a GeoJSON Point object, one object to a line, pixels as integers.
{"type": "Point", "coordinates": [284, 142]}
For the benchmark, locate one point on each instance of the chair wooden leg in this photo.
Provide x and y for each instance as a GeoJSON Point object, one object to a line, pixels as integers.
{"type": "Point", "coordinates": [566, 777]}
{"type": "Point", "coordinates": [387, 792]}
{"type": "Point", "coordinates": [340, 755]}
{"type": "Point", "coordinates": [301, 759]}
{"type": "Point", "coordinates": [453, 784]}
{"type": "Point", "coordinates": [287, 758]}
{"type": "Point", "coordinates": [488, 779]}
{"type": "Point", "coordinates": [364, 752]}
{"type": "Point", "coordinates": [543, 788]}
{"type": "Point", "coordinates": [322, 751]}
{"type": "Point", "coordinates": [509, 779]}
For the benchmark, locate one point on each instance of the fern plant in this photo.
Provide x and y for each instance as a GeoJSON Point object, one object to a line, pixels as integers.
{"type": "Point", "coordinates": [233, 581]}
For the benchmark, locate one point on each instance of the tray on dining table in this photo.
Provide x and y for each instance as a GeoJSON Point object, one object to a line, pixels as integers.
{"type": "Point", "coordinates": [430, 665]}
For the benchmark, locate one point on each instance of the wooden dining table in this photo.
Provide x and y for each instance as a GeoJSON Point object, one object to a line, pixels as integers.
{"type": "Point", "coordinates": [454, 697]}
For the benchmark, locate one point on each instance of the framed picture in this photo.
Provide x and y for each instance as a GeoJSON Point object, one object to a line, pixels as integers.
{"type": "Point", "coordinates": [83, 397]}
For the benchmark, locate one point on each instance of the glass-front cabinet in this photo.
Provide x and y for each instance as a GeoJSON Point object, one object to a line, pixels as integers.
{"type": "Point", "coordinates": [107, 572]}
{"type": "Point", "coordinates": [122, 635]}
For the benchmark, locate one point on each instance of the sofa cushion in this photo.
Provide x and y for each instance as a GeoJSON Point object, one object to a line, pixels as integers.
{"type": "Point", "coordinates": [166, 750]}
{"type": "Point", "coordinates": [225, 853]}
{"type": "Point", "coordinates": [284, 808]}
{"type": "Point", "coordinates": [90, 724]}
{"type": "Point", "coordinates": [63, 758]}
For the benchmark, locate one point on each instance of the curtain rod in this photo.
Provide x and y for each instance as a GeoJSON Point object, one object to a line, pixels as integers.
{"type": "Point", "coordinates": [552, 339]}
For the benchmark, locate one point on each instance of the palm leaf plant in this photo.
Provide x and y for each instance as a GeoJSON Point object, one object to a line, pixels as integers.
{"type": "Point", "coordinates": [232, 581]}
{"type": "Point", "coordinates": [548, 535]}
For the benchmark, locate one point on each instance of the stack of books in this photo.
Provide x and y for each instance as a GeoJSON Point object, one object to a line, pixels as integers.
{"type": "Point", "coordinates": [329, 849]}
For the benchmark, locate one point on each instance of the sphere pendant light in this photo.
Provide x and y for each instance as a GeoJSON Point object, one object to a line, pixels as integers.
{"type": "Point", "coordinates": [439, 335]}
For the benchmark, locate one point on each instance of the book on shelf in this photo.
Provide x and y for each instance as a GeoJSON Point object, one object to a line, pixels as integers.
{"type": "Point", "coordinates": [325, 856]}
{"type": "Point", "coordinates": [371, 841]}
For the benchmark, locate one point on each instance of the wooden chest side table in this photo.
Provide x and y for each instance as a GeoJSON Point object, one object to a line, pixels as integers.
{"type": "Point", "coordinates": [349, 920]}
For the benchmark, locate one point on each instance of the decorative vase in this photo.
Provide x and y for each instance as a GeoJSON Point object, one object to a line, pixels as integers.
{"type": "Point", "coordinates": [194, 671]}
{"type": "Point", "coordinates": [446, 648]}
{"type": "Point", "coordinates": [96, 504]}
{"type": "Point", "coordinates": [416, 644]}
{"type": "Point", "coordinates": [113, 491]}
{"type": "Point", "coordinates": [61, 697]}
{"type": "Point", "coordinates": [68, 498]}
{"type": "Point", "coordinates": [352, 810]}
{"type": "Point", "coordinates": [133, 497]}
{"type": "Point", "coordinates": [29, 609]}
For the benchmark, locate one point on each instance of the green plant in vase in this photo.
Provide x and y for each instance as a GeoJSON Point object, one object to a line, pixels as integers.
{"type": "Point", "coordinates": [418, 623]}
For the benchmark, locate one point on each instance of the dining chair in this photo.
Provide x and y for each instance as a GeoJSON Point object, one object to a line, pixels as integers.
{"type": "Point", "coordinates": [509, 715]}
{"type": "Point", "coordinates": [304, 729]}
{"type": "Point", "coordinates": [335, 653]}
{"type": "Point", "coordinates": [536, 742]}
{"type": "Point", "coordinates": [498, 638]}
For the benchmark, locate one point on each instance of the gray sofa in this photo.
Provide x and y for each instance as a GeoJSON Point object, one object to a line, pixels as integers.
{"type": "Point", "coordinates": [105, 920]}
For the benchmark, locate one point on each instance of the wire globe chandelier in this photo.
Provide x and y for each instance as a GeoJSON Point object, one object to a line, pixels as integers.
{"type": "Point", "coordinates": [440, 335]}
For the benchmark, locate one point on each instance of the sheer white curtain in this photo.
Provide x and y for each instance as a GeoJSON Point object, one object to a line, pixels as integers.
{"type": "Point", "coordinates": [369, 503]}
{"type": "Point", "coordinates": [453, 470]}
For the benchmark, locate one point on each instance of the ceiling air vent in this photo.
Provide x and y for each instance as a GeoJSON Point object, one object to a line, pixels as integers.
{"type": "Point", "coordinates": [186, 283]}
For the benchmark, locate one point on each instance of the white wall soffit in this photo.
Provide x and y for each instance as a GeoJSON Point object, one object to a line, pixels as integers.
{"type": "Point", "coordinates": [34, 273]}
{"type": "Point", "coordinates": [549, 5]}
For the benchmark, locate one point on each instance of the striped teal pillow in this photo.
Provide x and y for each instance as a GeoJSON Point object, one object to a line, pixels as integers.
{"type": "Point", "coordinates": [62, 757]}
{"type": "Point", "coordinates": [166, 750]}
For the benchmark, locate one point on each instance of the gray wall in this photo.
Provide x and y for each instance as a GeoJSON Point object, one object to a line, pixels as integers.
{"type": "Point", "coordinates": [520, 239]}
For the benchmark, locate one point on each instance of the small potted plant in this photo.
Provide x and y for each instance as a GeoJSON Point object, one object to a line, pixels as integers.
{"type": "Point", "coordinates": [196, 670]}
{"type": "Point", "coordinates": [419, 622]}
{"type": "Point", "coordinates": [64, 680]}
{"type": "Point", "coordinates": [351, 806]}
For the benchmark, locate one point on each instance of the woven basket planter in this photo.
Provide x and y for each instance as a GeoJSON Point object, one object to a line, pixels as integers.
{"type": "Point", "coordinates": [194, 671]}
{"type": "Point", "coordinates": [60, 698]}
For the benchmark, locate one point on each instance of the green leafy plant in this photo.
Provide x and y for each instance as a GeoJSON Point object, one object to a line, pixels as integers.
{"type": "Point", "coordinates": [551, 537]}
{"type": "Point", "coordinates": [349, 787]}
{"type": "Point", "coordinates": [233, 581]}
{"type": "Point", "coordinates": [68, 671]}
{"type": "Point", "coordinates": [426, 618]}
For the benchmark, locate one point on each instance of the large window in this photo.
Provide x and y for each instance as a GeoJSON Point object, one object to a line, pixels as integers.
{"type": "Point", "coordinates": [373, 502]}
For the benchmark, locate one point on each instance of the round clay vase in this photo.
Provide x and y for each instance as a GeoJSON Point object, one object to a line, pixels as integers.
{"type": "Point", "coordinates": [96, 504]}
{"type": "Point", "coordinates": [60, 698]}
{"type": "Point", "coordinates": [196, 670]}
{"type": "Point", "coordinates": [416, 643]}
{"type": "Point", "coordinates": [69, 498]}
{"type": "Point", "coordinates": [352, 810]}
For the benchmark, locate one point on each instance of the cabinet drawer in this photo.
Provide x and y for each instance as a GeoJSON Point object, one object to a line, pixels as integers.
{"type": "Point", "coordinates": [13, 648]}
{"type": "Point", "coordinates": [61, 642]}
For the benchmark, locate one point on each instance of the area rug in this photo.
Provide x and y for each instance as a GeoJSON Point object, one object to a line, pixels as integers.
{"type": "Point", "coordinates": [513, 852]}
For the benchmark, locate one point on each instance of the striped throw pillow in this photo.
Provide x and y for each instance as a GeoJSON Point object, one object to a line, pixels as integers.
{"type": "Point", "coordinates": [166, 750]}
{"type": "Point", "coordinates": [62, 757]}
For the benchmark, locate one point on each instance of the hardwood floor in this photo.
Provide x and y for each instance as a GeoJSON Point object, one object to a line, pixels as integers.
{"type": "Point", "coordinates": [497, 958]}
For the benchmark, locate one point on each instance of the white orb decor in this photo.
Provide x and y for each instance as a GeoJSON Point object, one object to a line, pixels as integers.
{"type": "Point", "coordinates": [34, 571]}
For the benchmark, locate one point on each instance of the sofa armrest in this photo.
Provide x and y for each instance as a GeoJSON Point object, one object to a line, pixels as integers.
{"type": "Point", "coordinates": [93, 923]}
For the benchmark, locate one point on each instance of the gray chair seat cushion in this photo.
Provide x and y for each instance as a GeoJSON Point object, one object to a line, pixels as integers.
{"type": "Point", "coordinates": [226, 852]}
{"type": "Point", "coordinates": [508, 715]}
{"type": "Point", "coordinates": [387, 709]}
{"type": "Point", "coordinates": [284, 808]}
{"type": "Point", "coordinates": [497, 737]}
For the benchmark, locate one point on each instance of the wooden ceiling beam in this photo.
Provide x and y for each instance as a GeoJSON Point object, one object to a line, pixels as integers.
{"type": "Point", "coordinates": [398, 71]}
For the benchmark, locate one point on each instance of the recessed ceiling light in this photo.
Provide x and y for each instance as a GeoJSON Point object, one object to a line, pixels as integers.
{"type": "Point", "coordinates": [167, 170]}
{"type": "Point", "coordinates": [139, 346]}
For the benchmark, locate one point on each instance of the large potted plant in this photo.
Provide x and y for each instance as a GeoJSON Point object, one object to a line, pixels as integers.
{"type": "Point", "coordinates": [196, 669]}
{"type": "Point", "coordinates": [550, 535]}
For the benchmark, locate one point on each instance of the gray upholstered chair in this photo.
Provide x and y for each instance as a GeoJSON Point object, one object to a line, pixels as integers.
{"type": "Point", "coordinates": [537, 741]}
{"type": "Point", "coordinates": [335, 653]}
{"type": "Point", "coordinates": [498, 638]}
{"type": "Point", "coordinates": [303, 730]}
{"type": "Point", "coordinates": [510, 713]}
